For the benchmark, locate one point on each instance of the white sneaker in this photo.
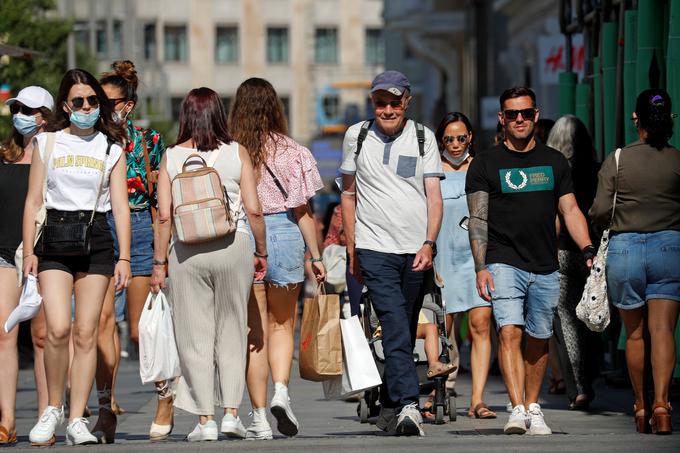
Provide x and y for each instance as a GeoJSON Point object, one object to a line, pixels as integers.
{"type": "Point", "coordinates": [410, 421]}
{"type": "Point", "coordinates": [42, 433]}
{"type": "Point", "coordinates": [286, 422]}
{"type": "Point", "coordinates": [78, 434]}
{"type": "Point", "coordinates": [537, 426]}
{"type": "Point", "coordinates": [517, 422]}
{"type": "Point", "coordinates": [232, 427]}
{"type": "Point", "coordinates": [203, 432]}
{"type": "Point", "coordinates": [259, 428]}
{"type": "Point", "coordinates": [508, 408]}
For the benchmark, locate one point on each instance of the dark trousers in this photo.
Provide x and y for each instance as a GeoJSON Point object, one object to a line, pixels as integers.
{"type": "Point", "coordinates": [397, 295]}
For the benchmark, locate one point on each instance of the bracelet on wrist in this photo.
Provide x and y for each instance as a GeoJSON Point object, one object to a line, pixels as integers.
{"type": "Point", "coordinates": [30, 254]}
{"type": "Point", "coordinates": [159, 262]}
{"type": "Point", "coordinates": [315, 260]}
{"type": "Point", "coordinates": [125, 259]}
{"type": "Point", "coordinates": [261, 255]}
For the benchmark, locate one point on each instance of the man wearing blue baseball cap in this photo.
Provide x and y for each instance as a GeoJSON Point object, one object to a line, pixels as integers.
{"type": "Point", "coordinates": [392, 211]}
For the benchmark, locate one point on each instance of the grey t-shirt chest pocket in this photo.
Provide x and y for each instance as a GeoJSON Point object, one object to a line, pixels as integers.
{"type": "Point", "coordinates": [406, 166]}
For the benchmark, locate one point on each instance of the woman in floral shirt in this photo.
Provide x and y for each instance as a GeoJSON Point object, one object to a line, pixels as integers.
{"type": "Point", "coordinates": [143, 151]}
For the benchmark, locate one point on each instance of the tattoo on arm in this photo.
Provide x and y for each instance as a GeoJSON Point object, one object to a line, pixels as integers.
{"type": "Point", "coordinates": [478, 204]}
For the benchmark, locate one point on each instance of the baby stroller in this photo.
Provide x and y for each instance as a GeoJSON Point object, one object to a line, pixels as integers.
{"type": "Point", "coordinates": [444, 401]}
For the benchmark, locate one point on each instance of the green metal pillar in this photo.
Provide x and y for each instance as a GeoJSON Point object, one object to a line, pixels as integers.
{"type": "Point", "coordinates": [610, 32]}
{"type": "Point", "coordinates": [650, 65]}
{"type": "Point", "coordinates": [673, 65]}
{"type": "Point", "coordinates": [597, 106]}
{"type": "Point", "coordinates": [567, 81]}
{"type": "Point", "coordinates": [584, 104]}
{"type": "Point", "coordinates": [629, 88]}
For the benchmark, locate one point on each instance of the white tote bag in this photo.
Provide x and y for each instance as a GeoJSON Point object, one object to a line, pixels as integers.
{"type": "Point", "coordinates": [359, 372]}
{"type": "Point", "coordinates": [335, 261]}
{"type": "Point", "coordinates": [158, 358]}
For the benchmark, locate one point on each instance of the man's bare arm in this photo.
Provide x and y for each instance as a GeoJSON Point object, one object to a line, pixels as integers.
{"type": "Point", "coordinates": [478, 229]}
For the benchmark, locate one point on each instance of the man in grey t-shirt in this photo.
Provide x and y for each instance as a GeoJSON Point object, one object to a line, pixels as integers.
{"type": "Point", "coordinates": [392, 212]}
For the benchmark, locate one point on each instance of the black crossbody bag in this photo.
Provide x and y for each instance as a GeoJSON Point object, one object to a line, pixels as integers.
{"type": "Point", "coordinates": [276, 181]}
{"type": "Point", "coordinates": [70, 239]}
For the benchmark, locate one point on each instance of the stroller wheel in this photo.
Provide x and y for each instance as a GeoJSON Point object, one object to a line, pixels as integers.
{"type": "Point", "coordinates": [439, 415]}
{"type": "Point", "coordinates": [362, 411]}
{"type": "Point", "coordinates": [452, 408]}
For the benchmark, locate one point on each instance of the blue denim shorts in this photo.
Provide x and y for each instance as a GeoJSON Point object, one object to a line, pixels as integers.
{"type": "Point", "coordinates": [524, 299]}
{"type": "Point", "coordinates": [286, 249]}
{"type": "Point", "coordinates": [141, 247]}
{"type": "Point", "coordinates": [643, 266]}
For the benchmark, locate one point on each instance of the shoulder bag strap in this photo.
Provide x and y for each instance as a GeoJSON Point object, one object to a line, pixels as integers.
{"type": "Point", "coordinates": [617, 155]}
{"type": "Point", "coordinates": [101, 181]}
{"type": "Point", "coordinates": [420, 135]}
{"type": "Point", "coordinates": [49, 147]}
{"type": "Point", "coordinates": [363, 133]}
{"type": "Point", "coordinates": [276, 181]}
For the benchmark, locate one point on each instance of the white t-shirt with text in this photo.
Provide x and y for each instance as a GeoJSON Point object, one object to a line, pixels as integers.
{"type": "Point", "coordinates": [391, 215]}
{"type": "Point", "coordinates": [75, 169]}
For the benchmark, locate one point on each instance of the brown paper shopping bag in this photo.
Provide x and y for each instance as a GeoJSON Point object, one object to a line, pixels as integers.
{"type": "Point", "coordinates": [320, 337]}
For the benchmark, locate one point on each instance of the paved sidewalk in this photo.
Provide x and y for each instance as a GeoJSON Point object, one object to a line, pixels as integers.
{"type": "Point", "coordinates": [333, 425]}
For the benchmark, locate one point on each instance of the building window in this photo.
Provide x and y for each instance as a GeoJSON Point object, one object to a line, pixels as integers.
{"type": "Point", "coordinates": [226, 102]}
{"type": "Point", "coordinates": [277, 45]}
{"type": "Point", "coordinates": [150, 41]}
{"type": "Point", "coordinates": [176, 48]}
{"type": "Point", "coordinates": [100, 38]}
{"type": "Point", "coordinates": [226, 44]}
{"type": "Point", "coordinates": [326, 45]}
{"type": "Point", "coordinates": [285, 100]}
{"type": "Point", "coordinates": [175, 106]}
{"type": "Point", "coordinates": [375, 47]}
{"type": "Point", "coordinates": [117, 38]}
{"type": "Point", "coordinates": [331, 107]}
{"type": "Point", "coordinates": [81, 32]}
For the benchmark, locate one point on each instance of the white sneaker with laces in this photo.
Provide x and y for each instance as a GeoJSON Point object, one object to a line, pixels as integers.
{"type": "Point", "coordinates": [537, 425]}
{"type": "Point", "coordinates": [286, 422]}
{"type": "Point", "coordinates": [232, 427]}
{"type": "Point", "coordinates": [517, 422]}
{"type": "Point", "coordinates": [203, 432]}
{"type": "Point", "coordinates": [78, 434]}
{"type": "Point", "coordinates": [259, 428]}
{"type": "Point", "coordinates": [42, 433]}
{"type": "Point", "coordinates": [410, 421]}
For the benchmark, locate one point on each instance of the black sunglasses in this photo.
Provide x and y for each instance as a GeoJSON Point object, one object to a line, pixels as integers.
{"type": "Point", "coordinates": [462, 139]}
{"type": "Point", "coordinates": [26, 110]}
{"type": "Point", "coordinates": [396, 104]}
{"type": "Point", "coordinates": [79, 101]}
{"type": "Point", "coordinates": [527, 114]}
{"type": "Point", "coordinates": [115, 101]}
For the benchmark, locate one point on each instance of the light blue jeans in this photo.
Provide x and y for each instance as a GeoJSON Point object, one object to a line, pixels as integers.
{"type": "Point", "coordinates": [524, 298]}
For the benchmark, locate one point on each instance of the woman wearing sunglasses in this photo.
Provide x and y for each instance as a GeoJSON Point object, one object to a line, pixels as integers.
{"type": "Point", "coordinates": [143, 151]}
{"type": "Point", "coordinates": [78, 175]}
{"type": "Point", "coordinates": [454, 261]}
{"type": "Point", "coordinates": [30, 110]}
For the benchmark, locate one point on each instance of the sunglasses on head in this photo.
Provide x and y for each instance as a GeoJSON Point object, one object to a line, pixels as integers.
{"type": "Point", "coordinates": [26, 110]}
{"type": "Point", "coordinates": [527, 114]}
{"type": "Point", "coordinates": [462, 139]}
{"type": "Point", "coordinates": [395, 104]}
{"type": "Point", "coordinates": [78, 102]}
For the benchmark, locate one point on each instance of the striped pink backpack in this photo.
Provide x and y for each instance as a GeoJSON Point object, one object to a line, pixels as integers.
{"type": "Point", "coordinates": [201, 207]}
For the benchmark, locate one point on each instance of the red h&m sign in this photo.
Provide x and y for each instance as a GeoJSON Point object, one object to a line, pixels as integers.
{"type": "Point", "coordinates": [552, 57]}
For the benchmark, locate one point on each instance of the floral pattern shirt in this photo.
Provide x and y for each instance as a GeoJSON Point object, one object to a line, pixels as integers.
{"type": "Point", "coordinates": [138, 194]}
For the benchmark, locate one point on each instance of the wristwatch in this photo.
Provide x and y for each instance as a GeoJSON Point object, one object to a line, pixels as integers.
{"type": "Point", "coordinates": [433, 245]}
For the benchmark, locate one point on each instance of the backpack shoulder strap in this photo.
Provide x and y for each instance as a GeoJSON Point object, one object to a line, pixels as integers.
{"type": "Point", "coordinates": [363, 133]}
{"type": "Point", "coordinates": [420, 135]}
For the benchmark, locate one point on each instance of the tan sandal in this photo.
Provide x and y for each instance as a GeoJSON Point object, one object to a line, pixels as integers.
{"type": "Point", "coordinates": [441, 370]}
{"type": "Point", "coordinates": [7, 437]}
{"type": "Point", "coordinates": [481, 411]}
{"type": "Point", "coordinates": [661, 423]}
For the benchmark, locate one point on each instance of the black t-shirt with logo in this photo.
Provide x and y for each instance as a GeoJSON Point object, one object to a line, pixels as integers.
{"type": "Point", "coordinates": [524, 189]}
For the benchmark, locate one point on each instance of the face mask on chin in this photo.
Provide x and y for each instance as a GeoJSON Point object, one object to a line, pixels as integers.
{"type": "Point", "coordinates": [456, 161]}
{"type": "Point", "coordinates": [120, 117]}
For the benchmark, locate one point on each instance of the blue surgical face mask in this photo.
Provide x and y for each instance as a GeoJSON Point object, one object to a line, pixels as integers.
{"type": "Point", "coordinates": [25, 124]}
{"type": "Point", "coordinates": [83, 120]}
{"type": "Point", "coordinates": [456, 161]}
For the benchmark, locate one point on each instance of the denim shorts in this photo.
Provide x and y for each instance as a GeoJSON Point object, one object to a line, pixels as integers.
{"type": "Point", "coordinates": [286, 249]}
{"type": "Point", "coordinates": [141, 246]}
{"type": "Point", "coordinates": [524, 299]}
{"type": "Point", "coordinates": [643, 266]}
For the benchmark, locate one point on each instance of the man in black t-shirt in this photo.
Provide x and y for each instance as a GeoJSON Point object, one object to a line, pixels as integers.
{"type": "Point", "coordinates": [515, 191]}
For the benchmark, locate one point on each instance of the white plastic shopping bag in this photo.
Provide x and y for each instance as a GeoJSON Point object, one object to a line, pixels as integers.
{"type": "Point", "coordinates": [158, 358]}
{"type": "Point", "coordinates": [359, 372]}
{"type": "Point", "coordinates": [29, 304]}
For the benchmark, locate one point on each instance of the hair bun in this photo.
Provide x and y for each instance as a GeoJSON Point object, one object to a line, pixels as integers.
{"type": "Point", "coordinates": [657, 101]}
{"type": "Point", "coordinates": [126, 70]}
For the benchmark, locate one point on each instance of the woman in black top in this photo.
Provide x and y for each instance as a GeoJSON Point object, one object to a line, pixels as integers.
{"type": "Point", "coordinates": [30, 109]}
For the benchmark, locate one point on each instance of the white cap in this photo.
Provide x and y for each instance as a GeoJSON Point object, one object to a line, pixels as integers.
{"type": "Point", "coordinates": [33, 97]}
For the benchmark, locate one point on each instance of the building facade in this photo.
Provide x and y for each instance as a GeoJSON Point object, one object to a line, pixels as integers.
{"type": "Point", "coordinates": [318, 54]}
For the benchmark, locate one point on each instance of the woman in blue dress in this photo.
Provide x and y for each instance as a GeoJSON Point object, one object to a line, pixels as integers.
{"type": "Point", "coordinates": [454, 260]}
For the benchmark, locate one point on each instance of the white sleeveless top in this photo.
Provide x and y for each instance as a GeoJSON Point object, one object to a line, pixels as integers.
{"type": "Point", "coordinates": [228, 166]}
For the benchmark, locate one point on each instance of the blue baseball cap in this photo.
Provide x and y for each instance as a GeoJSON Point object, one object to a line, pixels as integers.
{"type": "Point", "coordinates": [392, 81]}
